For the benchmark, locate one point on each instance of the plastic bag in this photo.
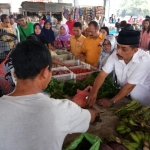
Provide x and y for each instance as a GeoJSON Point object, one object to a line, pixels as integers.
{"type": "Point", "coordinates": [79, 98]}
{"type": "Point", "coordinates": [93, 139]}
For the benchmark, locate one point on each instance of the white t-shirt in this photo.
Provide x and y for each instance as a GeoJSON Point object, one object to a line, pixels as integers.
{"type": "Point", "coordinates": [137, 71]}
{"type": "Point", "coordinates": [37, 122]}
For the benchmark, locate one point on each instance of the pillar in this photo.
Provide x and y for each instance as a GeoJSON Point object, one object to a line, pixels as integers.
{"type": "Point", "coordinates": [76, 3]}
{"type": "Point", "coordinates": [107, 7]}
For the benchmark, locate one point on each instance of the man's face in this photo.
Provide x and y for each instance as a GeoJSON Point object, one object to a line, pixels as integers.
{"type": "Point", "coordinates": [22, 21]}
{"type": "Point", "coordinates": [12, 21]}
{"type": "Point", "coordinates": [93, 32]}
{"type": "Point", "coordinates": [125, 52]}
{"type": "Point", "coordinates": [77, 31]}
{"type": "Point", "coordinates": [7, 20]}
{"type": "Point", "coordinates": [70, 17]}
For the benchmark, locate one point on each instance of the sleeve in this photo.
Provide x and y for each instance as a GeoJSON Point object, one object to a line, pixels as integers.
{"type": "Point", "coordinates": [139, 74]}
{"type": "Point", "coordinates": [110, 64]}
{"type": "Point", "coordinates": [79, 119]}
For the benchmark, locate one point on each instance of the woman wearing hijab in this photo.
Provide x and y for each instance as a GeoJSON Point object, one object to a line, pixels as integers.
{"type": "Point", "coordinates": [63, 39]}
{"type": "Point", "coordinates": [109, 45]}
{"type": "Point", "coordinates": [47, 30]}
{"type": "Point", "coordinates": [39, 34]}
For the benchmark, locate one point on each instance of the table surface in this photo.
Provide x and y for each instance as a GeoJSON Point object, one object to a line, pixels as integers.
{"type": "Point", "coordinates": [101, 129]}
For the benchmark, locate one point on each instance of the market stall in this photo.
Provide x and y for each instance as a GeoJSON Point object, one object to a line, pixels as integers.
{"type": "Point", "coordinates": [85, 14]}
{"type": "Point", "coordinates": [124, 126]}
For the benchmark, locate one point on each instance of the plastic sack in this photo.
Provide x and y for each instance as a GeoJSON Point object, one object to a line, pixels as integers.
{"type": "Point", "coordinates": [93, 139]}
{"type": "Point", "coordinates": [79, 98]}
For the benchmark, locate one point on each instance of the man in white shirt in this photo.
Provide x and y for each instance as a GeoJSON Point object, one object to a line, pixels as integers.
{"type": "Point", "coordinates": [14, 25]}
{"type": "Point", "coordinates": [132, 68]}
{"type": "Point", "coordinates": [31, 120]}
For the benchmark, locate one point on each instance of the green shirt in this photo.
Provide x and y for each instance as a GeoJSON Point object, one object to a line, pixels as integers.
{"type": "Point", "coordinates": [25, 32]}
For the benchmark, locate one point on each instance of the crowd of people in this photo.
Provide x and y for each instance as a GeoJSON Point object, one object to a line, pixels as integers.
{"type": "Point", "coordinates": [31, 119]}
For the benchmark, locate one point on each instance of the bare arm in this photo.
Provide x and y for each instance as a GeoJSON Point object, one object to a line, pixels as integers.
{"type": "Point", "coordinates": [54, 61]}
{"type": "Point", "coordinates": [97, 85]}
{"type": "Point", "coordinates": [124, 91]}
{"type": "Point", "coordinates": [93, 113]}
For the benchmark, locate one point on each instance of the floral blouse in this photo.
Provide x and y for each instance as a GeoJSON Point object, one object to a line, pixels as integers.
{"type": "Point", "coordinates": [61, 44]}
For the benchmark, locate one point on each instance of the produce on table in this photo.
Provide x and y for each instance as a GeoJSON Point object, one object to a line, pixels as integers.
{"type": "Point", "coordinates": [133, 127]}
{"type": "Point", "coordinates": [85, 142]}
{"type": "Point", "coordinates": [80, 70]}
{"type": "Point", "coordinates": [79, 98]}
{"type": "Point", "coordinates": [116, 146]}
{"type": "Point", "coordinates": [129, 108]}
{"type": "Point", "coordinates": [61, 52]}
{"type": "Point", "coordinates": [60, 72]}
{"type": "Point", "coordinates": [58, 89]}
{"type": "Point", "coordinates": [105, 147]}
{"type": "Point", "coordinates": [55, 89]}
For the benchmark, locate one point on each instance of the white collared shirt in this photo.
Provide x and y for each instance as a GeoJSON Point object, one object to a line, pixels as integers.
{"type": "Point", "coordinates": [137, 71]}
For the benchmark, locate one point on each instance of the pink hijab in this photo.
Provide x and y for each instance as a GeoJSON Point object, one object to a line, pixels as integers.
{"type": "Point", "coordinates": [67, 35]}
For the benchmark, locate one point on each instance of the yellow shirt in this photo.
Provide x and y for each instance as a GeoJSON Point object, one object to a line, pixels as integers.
{"type": "Point", "coordinates": [76, 44]}
{"type": "Point", "coordinates": [9, 29]}
{"type": "Point", "coordinates": [91, 47]}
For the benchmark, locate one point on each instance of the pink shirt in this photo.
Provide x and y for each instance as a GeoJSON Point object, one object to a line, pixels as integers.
{"type": "Point", "coordinates": [61, 44]}
{"type": "Point", "coordinates": [145, 40]}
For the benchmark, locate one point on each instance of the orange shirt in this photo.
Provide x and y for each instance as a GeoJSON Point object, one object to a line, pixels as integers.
{"type": "Point", "coordinates": [76, 44]}
{"type": "Point", "coordinates": [91, 47]}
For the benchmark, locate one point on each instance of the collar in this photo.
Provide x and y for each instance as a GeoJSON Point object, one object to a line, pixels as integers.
{"type": "Point", "coordinates": [135, 58]}
{"type": "Point", "coordinates": [78, 38]}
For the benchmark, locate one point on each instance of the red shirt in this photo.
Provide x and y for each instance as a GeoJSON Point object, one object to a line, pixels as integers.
{"type": "Point", "coordinates": [70, 26]}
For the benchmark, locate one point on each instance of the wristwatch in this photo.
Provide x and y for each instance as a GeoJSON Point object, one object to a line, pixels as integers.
{"type": "Point", "coordinates": [112, 101]}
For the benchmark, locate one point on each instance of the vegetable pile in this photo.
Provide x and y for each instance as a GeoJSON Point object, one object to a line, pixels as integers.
{"type": "Point", "coordinates": [59, 89]}
{"type": "Point", "coordinates": [61, 53]}
{"type": "Point", "coordinates": [79, 70]}
{"type": "Point", "coordinates": [60, 72]}
{"type": "Point", "coordinates": [133, 127]}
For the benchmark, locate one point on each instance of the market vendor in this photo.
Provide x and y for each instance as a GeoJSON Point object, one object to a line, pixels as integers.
{"type": "Point", "coordinates": [91, 47]}
{"type": "Point", "coordinates": [132, 68]}
{"type": "Point", "coordinates": [37, 121]}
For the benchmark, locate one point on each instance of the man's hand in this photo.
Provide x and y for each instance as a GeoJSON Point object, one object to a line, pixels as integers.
{"type": "Point", "coordinates": [91, 98]}
{"type": "Point", "coordinates": [104, 102]}
{"type": "Point", "coordinates": [93, 113]}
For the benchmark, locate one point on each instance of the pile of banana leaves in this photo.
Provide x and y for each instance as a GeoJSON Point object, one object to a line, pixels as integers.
{"type": "Point", "coordinates": [59, 89]}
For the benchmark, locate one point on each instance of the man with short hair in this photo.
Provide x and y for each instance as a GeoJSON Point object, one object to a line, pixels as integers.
{"type": "Point", "coordinates": [77, 39]}
{"type": "Point", "coordinates": [31, 120]}
{"type": "Point", "coordinates": [91, 47]}
{"type": "Point", "coordinates": [132, 68]}
{"type": "Point", "coordinates": [25, 28]}
{"type": "Point", "coordinates": [70, 23]}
